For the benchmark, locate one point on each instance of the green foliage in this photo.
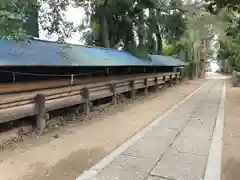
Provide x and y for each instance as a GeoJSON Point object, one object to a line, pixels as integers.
{"type": "Point", "coordinates": [229, 51]}
{"type": "Point", "coordinates": [175, 49]}
{"type": "Point", "coordinates": [12, 18]}
{"type": "Point", "coordinates": [174, 26]}
{"type": "Point", "coordinates": [139, 52]}
{"type": "Point", "coordinates": [134, 25]}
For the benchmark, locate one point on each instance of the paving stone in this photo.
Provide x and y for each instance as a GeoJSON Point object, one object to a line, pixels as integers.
{"type": "Point", "coordinates": [197, 132]}
{"type": "Point", "coordinates": [180, 166]}
{"type": "Point", "coordinates": [164, 134]}
{"type": "Point", "coordinates": [127, 168]}
{"type": "Point", "coordinates": [178, 118]}
{"type": "Point", "coordinates": [192, 145]}
{"type": "Point", "coordinates": [207, 124]}
{"type": "Point", "coordinates": [173, 123]}
{"type": "Point", "coordinates": [183, 112]}
{"type": "Point", "coordinates": [153, 144]}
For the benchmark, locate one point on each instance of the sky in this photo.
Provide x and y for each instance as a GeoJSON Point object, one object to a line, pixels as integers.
{"type": "Point", "coordinates": [214, 66]}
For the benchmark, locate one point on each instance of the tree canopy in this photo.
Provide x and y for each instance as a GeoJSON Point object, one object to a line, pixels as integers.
{"type": "Point", "coordinates": [177, 28]}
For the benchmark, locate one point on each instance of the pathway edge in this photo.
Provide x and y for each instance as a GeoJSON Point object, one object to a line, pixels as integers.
{"type": "Point", "coordinates": [214, 161]}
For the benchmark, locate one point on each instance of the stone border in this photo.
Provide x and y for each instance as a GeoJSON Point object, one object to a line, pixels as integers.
{"type": "Point", "coordinates": [214, 162]}
{"type": "Point", "coordinates": [95, 169]}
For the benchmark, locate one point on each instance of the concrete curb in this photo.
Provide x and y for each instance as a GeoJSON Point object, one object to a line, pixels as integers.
{"type": "Point", "coordinates": [95, 169]}
{"type": "Point", "coordinates": [214, 162]}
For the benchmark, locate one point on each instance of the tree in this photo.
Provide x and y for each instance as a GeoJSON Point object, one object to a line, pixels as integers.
{"type": "Point", "coordinates": [31, 8]}
{"type": "Point", "coordinates": [52, 18]}
{"type": "Point", "coordinates": [228, 54]}
{"type": "Point", "coordinates": [137, 26]}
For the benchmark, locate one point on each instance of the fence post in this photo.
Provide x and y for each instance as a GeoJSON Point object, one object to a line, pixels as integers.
{"type": "Point", "coordinates": [164, 80]}
{"type": "Point", "coordinates": [170, 80]}
{"type": "Point", "coordinates": [146, 87]}
{"type": "Point", "coordinates": [114, 97]}
{"type": "Point", "coordinates": [133, 92]}
{"type": "Point", "coordinates": [156, 84]}
{"type": "Point", "coordinates": [40, 111]}
{"type": "Point", "coordinates": [86, 103]}
{"type": "Point", "coordinates": [181, 76]}
{"type": "Point", "coordinates": [176, 79]}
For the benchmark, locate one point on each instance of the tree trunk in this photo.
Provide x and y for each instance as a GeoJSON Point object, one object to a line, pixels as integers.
{"type": "Point", "coordinates": [153, 43]}
{"type": "Point", "coordinates": [196, 61]}
{"type": "Point", "coordinates": [141, 30]}
{"type": "Point", "coordinates": [31, 25]}
{"type": "Point", "coordinates": [129, 42]}
{"type": "Point", "coordinates": [159, 40]}
{"type": "Point", "coordinates": [141, 39]}
{"type": "Point", "coordinates": [104, 36]}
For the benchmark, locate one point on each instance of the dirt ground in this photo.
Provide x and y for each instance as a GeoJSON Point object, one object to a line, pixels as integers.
{"type": "Point", "coordinates": [80, 145]}
{"type": "Point", "coordinates": [231, 136]}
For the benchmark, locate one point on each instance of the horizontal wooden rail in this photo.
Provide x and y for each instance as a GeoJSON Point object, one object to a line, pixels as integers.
{"type": "Point", "coordinates": [19, 106]}
{"type": "Point", "coordinates": [98, 82]}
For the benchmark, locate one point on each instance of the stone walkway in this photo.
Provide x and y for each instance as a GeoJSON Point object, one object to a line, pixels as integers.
{"type": "Point", "coordinates": [175, 147]}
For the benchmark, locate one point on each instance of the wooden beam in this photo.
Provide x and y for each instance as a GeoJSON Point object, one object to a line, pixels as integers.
{"type": "Point", "coordinates": [133, 92]}
{"type": "Point", "coordinates": [114, 97]}
{"type": "Point", "coordinates": [164, 80]}
{"type": "Point", "coordinates": [86, 101]}
{"type": "Point", "coordinates": [24, 105]}
{"type": "Point", "coordinates": [156, 84]}
{"type": "Point", "coordinates": [170, 80]}
{"type": "Point", "coordinates": [176, 79]}
{"type": "Point", "coordinates": [146, 87]}
{"type": "Point", "coordinates": [40, 111]}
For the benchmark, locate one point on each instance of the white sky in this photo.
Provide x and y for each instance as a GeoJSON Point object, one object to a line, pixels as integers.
{"type": "Point", "coordinates": [214, 66]}
{"type": "Point", "coordinates": [75, 15]}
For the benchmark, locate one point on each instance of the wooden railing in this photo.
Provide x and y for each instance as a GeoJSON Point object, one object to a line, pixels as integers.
{"type": "Point", "coordinates": [26, 104]}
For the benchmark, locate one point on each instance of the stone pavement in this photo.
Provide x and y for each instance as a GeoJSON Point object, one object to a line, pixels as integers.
{"type": "Point", "coordinates": [176, 147]}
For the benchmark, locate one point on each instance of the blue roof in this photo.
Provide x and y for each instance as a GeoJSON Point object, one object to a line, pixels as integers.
{"type": "Point", "coordinates": [30, 53]}
{"type": "Point", "coordinates": [45, 53]}
{"type": "Point", "coordinates": [92, 56]}
{"type": "Point", "coordinates": [165, 61]}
